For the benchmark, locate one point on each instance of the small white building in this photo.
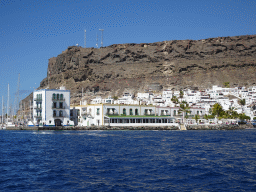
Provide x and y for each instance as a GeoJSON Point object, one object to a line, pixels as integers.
{"type": "Point", "coordinates": [51, 107]}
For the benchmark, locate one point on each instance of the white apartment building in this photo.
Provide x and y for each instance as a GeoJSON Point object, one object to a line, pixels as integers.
{"type": "Point", "coordinates": [51, 107]}
{"type": "Point", "coordinates": [121, 115]}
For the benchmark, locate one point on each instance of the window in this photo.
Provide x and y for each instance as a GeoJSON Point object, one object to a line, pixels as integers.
{"type": "Point", "coordinates": [124, 111]}
{"type": "Point", "coordinates": [78, 112]}
{"type": "Point", "coordinates": [174, 112]}
{"type": "Point", "coordinates": [54, 113]}
{"type": "Point", "coordinates": [53, 96]}
{"type": "Point", "coordinates": [131, 112]}
{"type": "Point", "coordinates": [61, 105]}
{"type": "Point", "coordinates": [61, 113]}
{"type": "Point", "coordinates": [58, 96]}
{"type": "Point", "coordinates": [197, 112]}
{"type": "Point", "coordinates": [71, 112]}
{"type": "Point", "coordinates": [61, 96]}
{"type": "Point", "coordinates": [98, 111]}
{"type": "Point", "coordinates": [50, 121]}
{"type": "Point", "coordinates": [54, 105]}
{"type": "Point", "coordinates": [136, 112]}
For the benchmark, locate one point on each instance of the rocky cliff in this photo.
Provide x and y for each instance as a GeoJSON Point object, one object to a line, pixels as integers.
{"type": "Point", "coordinates": [169, 64]}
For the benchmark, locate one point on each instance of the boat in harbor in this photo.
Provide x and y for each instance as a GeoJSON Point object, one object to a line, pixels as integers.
{"type": "Point", "coordinates": [10, 123]}
{"type": "Point", "coordinates": [3, 126]}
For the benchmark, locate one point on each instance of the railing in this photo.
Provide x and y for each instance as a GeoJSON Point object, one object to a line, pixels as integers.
{"type": "Point", "coordinates": [58, 99]}
{"type": "Point", "coordinates": [84, 113]}
{"type": "Point", "coordinates": [38, 116]}
{"type": "Point", "coordinates": [58, 115]}
{"type": "Point", "coordinates": [38, 99]}
{"type": "Point", "coordinates": [109, 114]}
{"type": "Point", "coordinates": [38, 107]}
{"type": "Point", "coordinates": [166, 114]}
{"type": "Point", "coordinates": [53, 107]}
{"type": "Point", "coordinates": [146, 114]}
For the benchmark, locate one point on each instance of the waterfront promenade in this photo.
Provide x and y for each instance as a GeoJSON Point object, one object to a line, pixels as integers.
{"type": "Point", "coordinates": [182, 127]}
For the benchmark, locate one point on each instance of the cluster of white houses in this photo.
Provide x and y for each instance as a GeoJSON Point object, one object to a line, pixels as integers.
{"type": "Point", "coordinates": [52, 107]}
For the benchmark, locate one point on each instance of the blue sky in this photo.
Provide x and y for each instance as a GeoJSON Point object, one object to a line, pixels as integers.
{"type": "Point", "coordinates": [32, 31]}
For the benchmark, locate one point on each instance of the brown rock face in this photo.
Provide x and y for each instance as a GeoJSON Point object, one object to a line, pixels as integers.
{"type": "Point", "coordinates": [176, 64]}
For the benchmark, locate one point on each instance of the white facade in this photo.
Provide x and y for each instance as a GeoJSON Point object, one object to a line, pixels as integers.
{"type": "Point", "coordinates": [51, 107]}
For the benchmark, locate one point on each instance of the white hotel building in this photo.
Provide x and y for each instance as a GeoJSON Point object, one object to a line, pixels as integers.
{"type": "Point", "coordinates": [51, 107]}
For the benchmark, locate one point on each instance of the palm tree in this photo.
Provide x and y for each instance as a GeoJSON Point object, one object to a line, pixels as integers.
{"type": "Point", "coordinates": [184, 109]}
{"type": "Point", "coordinates": [196, 118]}
{"type": "Point", "coordinates": [175, 100]}
{"type": "Point", "coordinates": [242, 102]}
{"type": "Point", "coordinates": [232, 113]}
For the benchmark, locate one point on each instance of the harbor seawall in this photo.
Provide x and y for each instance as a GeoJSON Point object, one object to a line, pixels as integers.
{"type": "Point", "coordinates": [188, 127]}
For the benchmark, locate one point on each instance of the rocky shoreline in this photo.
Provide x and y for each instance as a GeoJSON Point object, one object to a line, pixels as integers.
{"type": "Point", "coordinates": [218, 127]}
{"type": "Point", "coordinates": [103, 128]}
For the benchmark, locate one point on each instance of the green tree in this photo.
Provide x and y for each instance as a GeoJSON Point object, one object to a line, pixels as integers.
{"type": "Point", "coordinates": [217, 110]}
{"type": "Point", "coordinates": [242, 102]}
{"type": "Point", "coordinates": [181, 94]}
{"type": "Point", "coordinates": [184, 109]}
{"type": "Point", "coordinates": [115, 97]}
{"type": "Point", "coordinates": [243, 117]}
{"type": "Point", "coordinates": [226, 84]}
{"type": "Point", "coordinates": [208, 117]}
{"type": "Point", "coordinates": [232, 113]}
{"type": "Point", "coordinates": [175, 100]}
{"type": "Point", "coordinates": [196, 117]}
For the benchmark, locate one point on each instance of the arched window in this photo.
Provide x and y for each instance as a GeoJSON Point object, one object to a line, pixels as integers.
{"type": "Point", "coordinates": [124, 111]}
{"type": "Point", "coordinates": [61, 113]}
{"type": "Point", "coordinates": [53, 96]}
{"type": "Point", "coordinates": [58, 96]}
{"type": "Point", "coordinates": [136, 112]}
{"type": "Point", "coordinates": [61, 96]}
{"type": "Point", "coordinates": [54, 113]}
{"type": "Point", "coordinates": [131, 112]}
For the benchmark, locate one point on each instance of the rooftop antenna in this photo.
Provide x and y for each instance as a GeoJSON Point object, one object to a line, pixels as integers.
{"type": "Point", "coordinates": [101, 37]}
{"type": "Point", "coordinates": [97, 40]}
{"type": "Point", "coordinates": [84, 38]}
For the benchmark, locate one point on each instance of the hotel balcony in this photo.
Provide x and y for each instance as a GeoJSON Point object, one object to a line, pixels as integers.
{"type": "Point", "coordinates": [165, 114]}
{"type": "Point", "coordinates": [38, 107]}
{"type": "Point", "coordinates": [58, 115]}
{"type": "Point", "coordinates": [38, 116]}
{"type": "Point", "coordinates": [53, 107]}
{"type": "Point", "coordinates": [38, 99]}
{"type": "Point", "coordinates": [57, 99]}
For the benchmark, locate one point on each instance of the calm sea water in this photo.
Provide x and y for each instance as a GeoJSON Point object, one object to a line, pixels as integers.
{"type": "Point", "coordinates": [128, 160]}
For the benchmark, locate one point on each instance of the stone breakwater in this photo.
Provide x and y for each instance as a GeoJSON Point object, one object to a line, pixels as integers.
{"type": "Point", "coordinates": [218, 127]}
{"type": "Point", "coordinates": [188, 127]}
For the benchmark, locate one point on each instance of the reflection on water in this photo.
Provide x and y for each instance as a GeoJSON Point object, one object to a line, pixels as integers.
{"type": "Point", "coordinates": [128, 160]}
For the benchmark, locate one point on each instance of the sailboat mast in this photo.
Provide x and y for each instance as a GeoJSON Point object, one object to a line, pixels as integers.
{"type": "Point", "coordinates": [8, 102]}
{"type": "Point", "coordinates": [30, 109]}
{"type": "Point", "coordinates": [2, 109]}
